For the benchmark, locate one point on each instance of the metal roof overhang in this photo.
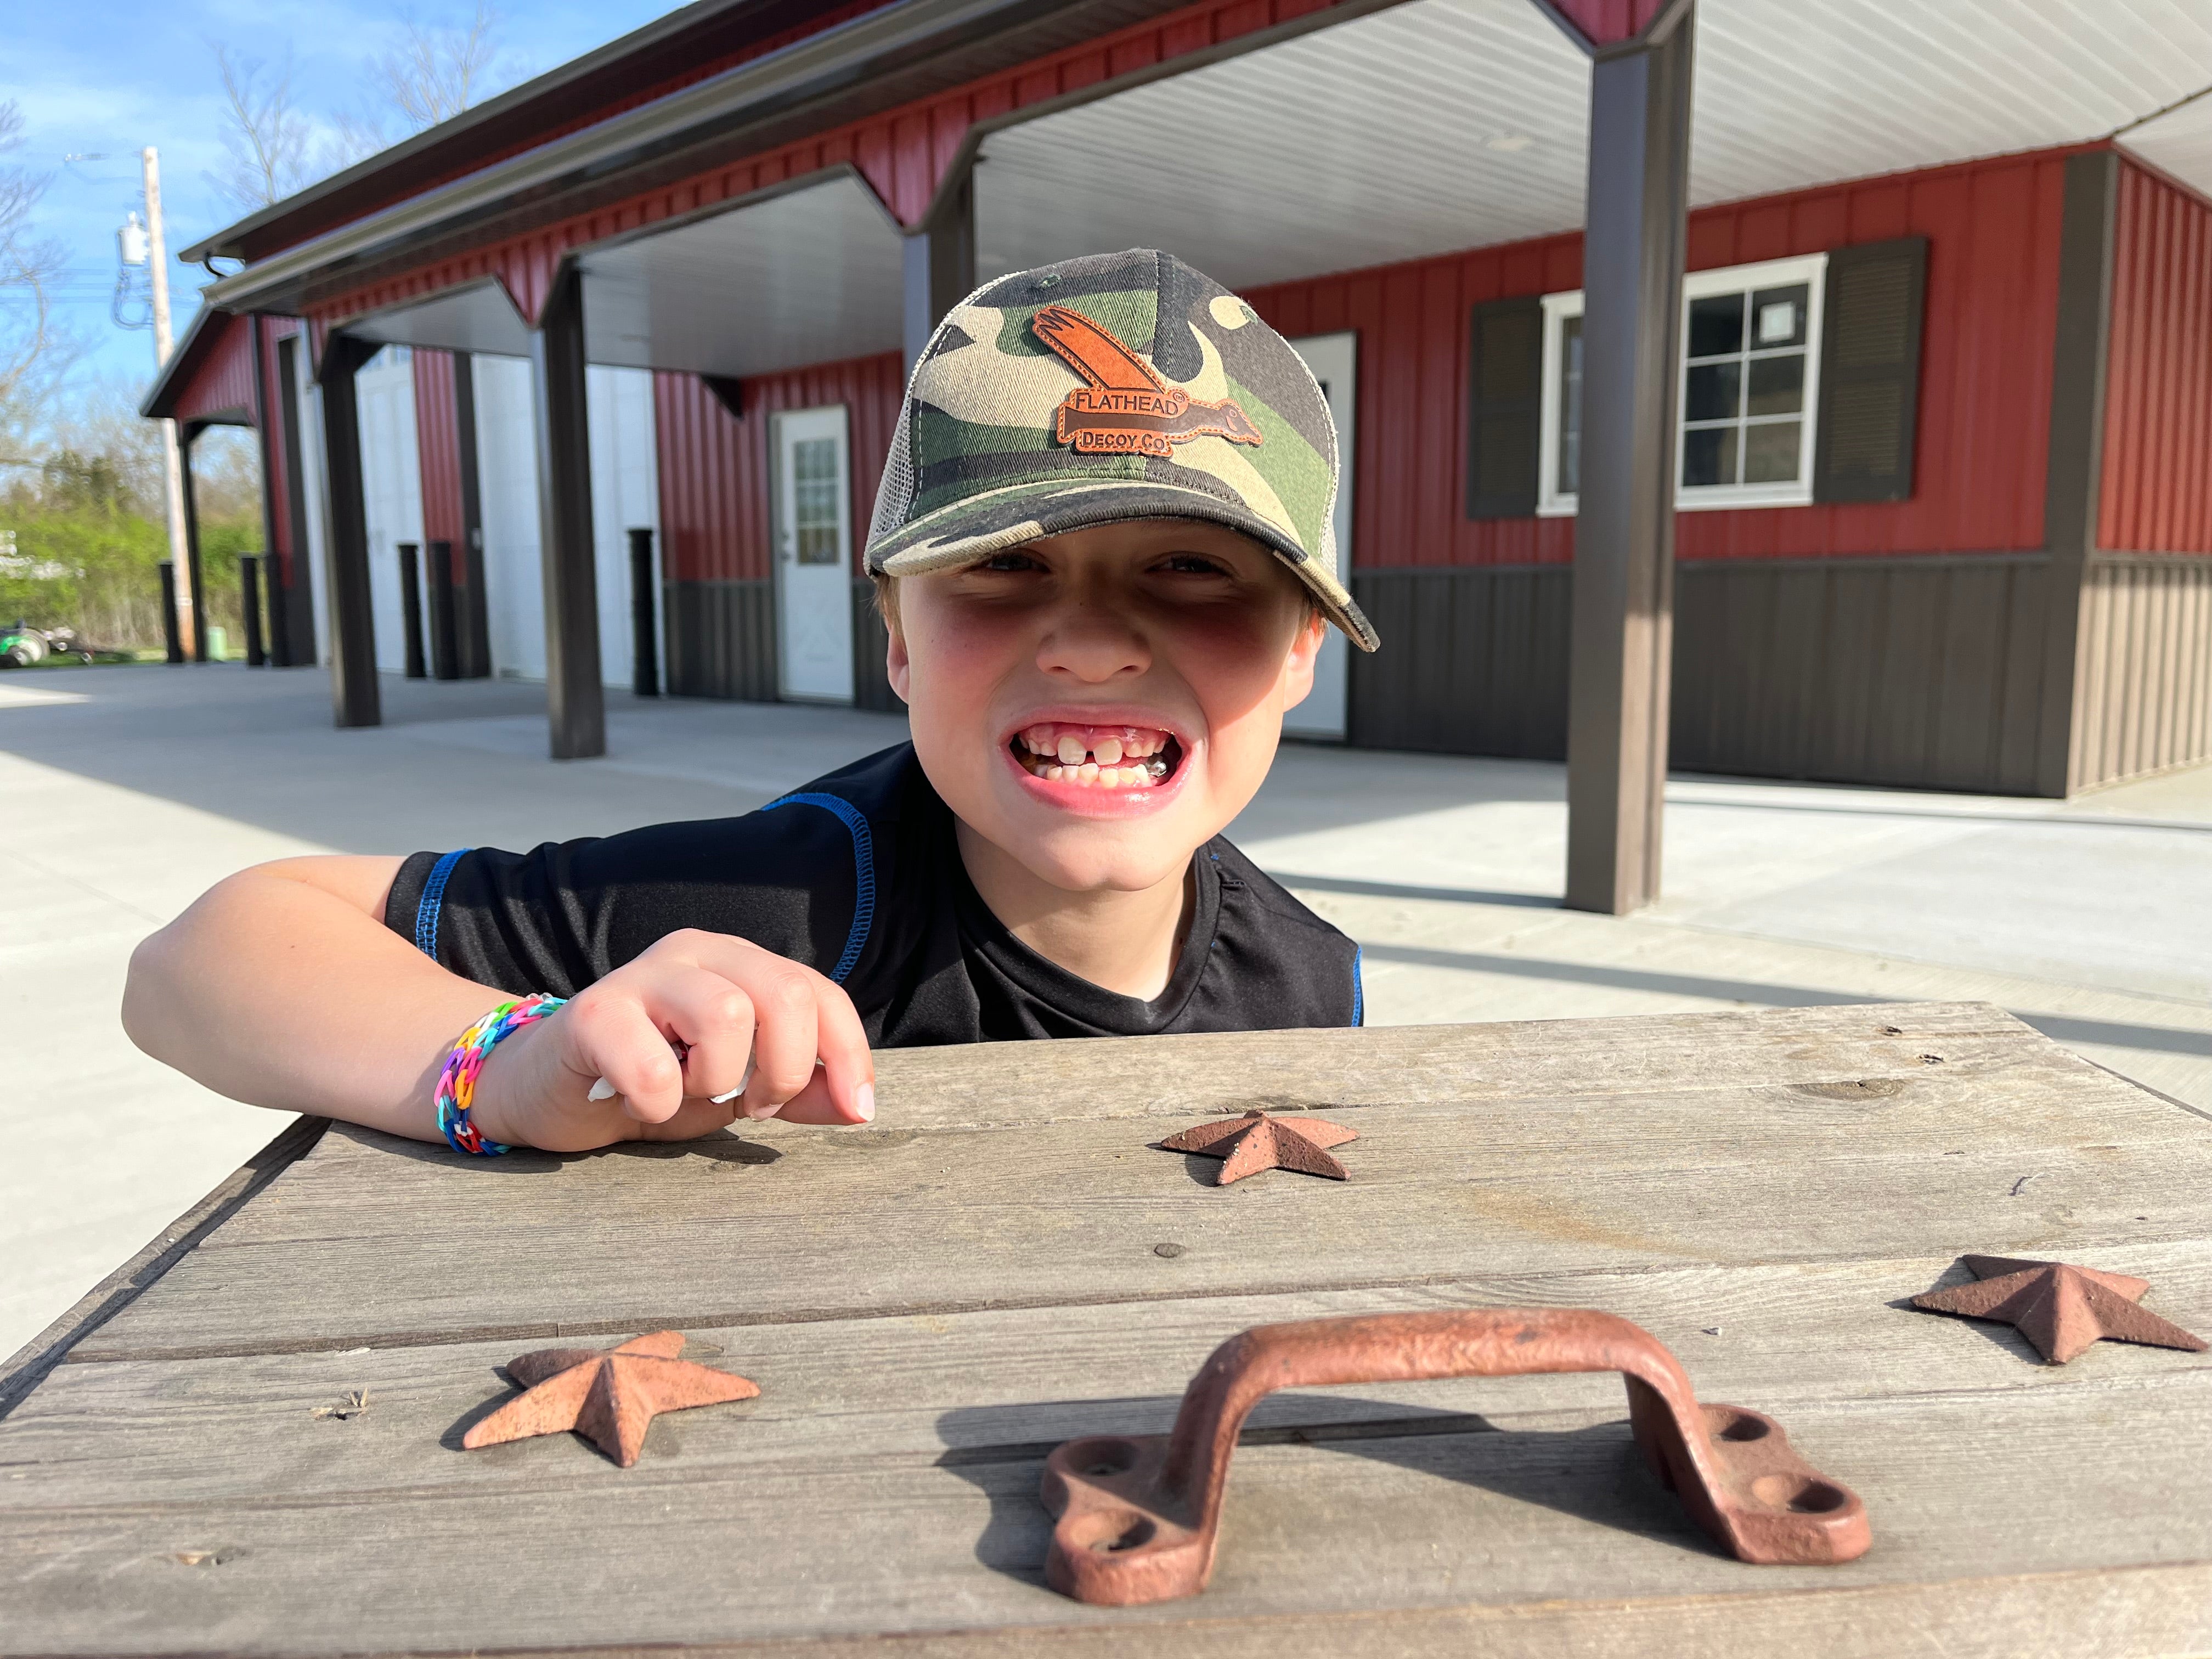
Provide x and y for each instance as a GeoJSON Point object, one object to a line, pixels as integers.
{"type": "Point", "coordinates": [804, 276]}
{"type": "Point", "coordinates": [1270, 164]}
{"type": "Point", "coordinates": [654, 53]}
{"type": "Point", "coordinates": [186, 359]}
{"type": "Point", "coordinates": [807, 274]}
{"type": "Point", "coordinates": [476, 317]}
{"type": "Point", "coordinates": [874, 63]}
{"type": "Point", "coordinates": [1444, 125]}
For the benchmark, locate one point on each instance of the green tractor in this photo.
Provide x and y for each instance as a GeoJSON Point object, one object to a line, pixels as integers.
{"type": "Point", "coordinates": [24, 647]}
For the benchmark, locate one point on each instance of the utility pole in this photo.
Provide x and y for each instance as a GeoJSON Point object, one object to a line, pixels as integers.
{"type": "Point", "coordinates": [173, 465]}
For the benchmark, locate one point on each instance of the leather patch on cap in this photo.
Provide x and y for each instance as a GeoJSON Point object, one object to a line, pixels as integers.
{"type": "Point", "coordinates": [1123, 408]}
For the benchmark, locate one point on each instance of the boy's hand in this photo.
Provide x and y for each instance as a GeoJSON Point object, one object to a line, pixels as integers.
{"type": "Point", "coordinates": [729, 1002]}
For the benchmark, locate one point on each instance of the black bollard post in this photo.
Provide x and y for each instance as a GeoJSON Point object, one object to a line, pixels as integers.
{"type": "Point", "coordinates": [445, 636]}
{"type": "Point", "coordinates": [645, 637]}
{"type": "Point", "coordinates": [249, 582]}
{"type": "Point", "coordinates": [411, 609]}
{"type": "Point", "coordinates": [474, 616]}
{"type": "Point", "coordinates": [169, 612]}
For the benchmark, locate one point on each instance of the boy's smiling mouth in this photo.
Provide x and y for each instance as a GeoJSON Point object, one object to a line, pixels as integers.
{"type": "Point", "coordinates": [1117, 756]}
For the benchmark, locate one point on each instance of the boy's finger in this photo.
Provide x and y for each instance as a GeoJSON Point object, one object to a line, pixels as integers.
{"type": "Point", "coordinates": [616, 1039]}
{"type": "Point", "coordinates": [816, 1104]}
{"type": "Point", "coordinates": [784, 1033]}
{"type": "Point", "coordinates": [839, 1038]}
{"type": "Point", "coordinates": [716, 1019]}
{"type": "Point", "coordinates": [849, 1070]}
{"type": "Point", "coordinates": [692, 1120]}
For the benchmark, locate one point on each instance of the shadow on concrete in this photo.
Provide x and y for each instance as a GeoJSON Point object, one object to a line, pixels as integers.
{"type": "Point", "coordinates": [450, 766]}
{"type": "Point", "coordinates": [2058, 1027]}
{"type": "Point", "coordinates": [2054, 818]}
{"type": "Point", "coordinates": [1391, 890]}
{"type": "Point", "coordinates": [464, 762]}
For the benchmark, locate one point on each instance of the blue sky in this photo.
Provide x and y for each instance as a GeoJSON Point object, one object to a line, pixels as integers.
{"type": "Point", "coordinates": [111, 76]}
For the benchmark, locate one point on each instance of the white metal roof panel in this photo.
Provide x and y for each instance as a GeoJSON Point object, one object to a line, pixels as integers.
{"type": "Point", "coordinates": [804, 278]}
{"type": "Point", "coordinates": [1449, 123]}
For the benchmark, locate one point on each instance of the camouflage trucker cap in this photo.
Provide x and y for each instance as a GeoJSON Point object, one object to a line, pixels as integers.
{"type": "Point", "coordinates": [1119, 386]}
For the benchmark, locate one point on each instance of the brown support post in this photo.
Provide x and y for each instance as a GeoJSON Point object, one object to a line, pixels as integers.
{"type": "Point", "coordinates": [187, 437]}
{"type": "Point", "coordinates": [1624, 569]}
{"type": "Point", "coordinates": [576, 701]}
{"type": "Point", "coordinates": [354, 697]}
{"type": "Point", "coordinates": [940, 263]}
{"type": "Point", "coordinates": [2074, 474]}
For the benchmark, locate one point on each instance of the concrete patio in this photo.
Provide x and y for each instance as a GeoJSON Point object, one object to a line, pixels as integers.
{"type": "Point", "coordinates": [128, 791]}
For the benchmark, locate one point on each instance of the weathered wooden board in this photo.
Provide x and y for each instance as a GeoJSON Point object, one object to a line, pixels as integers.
{"type": "Point", "coordinates": [1962, 1487]}
{"type": "Point", "coordinates": [929, 1388]}
{"type": "Point", "coordinates": [892, 1221]}
{"type": "Point", "coordinates": [1000, 1084]}
{"type": "Point", "coordinates": [932, 1303]}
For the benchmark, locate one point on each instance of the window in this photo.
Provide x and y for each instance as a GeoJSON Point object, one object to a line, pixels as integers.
{"type": "Point", "coordinates": [1751, 354]}
{"type": "Point", "coordinates": [815, 487]}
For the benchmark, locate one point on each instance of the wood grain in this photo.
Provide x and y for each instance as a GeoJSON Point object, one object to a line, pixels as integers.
{"type": "Point", "coordinates": [791, 1224]}
{"type": "Point", "coordinates": [931, 1305]}
{"type": "Point", "coordinates": [1961, 1487]}
{"type": "Point", "coordinates": [971, 1386]}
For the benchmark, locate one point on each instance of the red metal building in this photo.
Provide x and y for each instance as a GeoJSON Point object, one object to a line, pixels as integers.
{"type": "Point", "coordinates": [1906, 320]}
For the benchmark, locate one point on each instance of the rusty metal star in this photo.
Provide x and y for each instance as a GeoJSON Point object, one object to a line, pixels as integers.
{"type": "Point", "coordinates": [610, 1396]}
{"type": "Point", "coordinates": [1257, 1141]}
{"type": "Point", "coordinates": [2062, 1309]}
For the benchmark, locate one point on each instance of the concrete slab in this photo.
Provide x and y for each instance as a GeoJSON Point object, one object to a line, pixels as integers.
{"type": "Point", "coordinates": [125, 792]}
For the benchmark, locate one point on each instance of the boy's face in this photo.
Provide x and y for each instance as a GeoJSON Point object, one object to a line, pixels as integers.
{"type": "Point", "coordinates": [1099, 704]}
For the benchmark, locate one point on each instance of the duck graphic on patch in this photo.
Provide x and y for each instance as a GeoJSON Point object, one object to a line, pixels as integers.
{"type": "Point", "coordinates": [1124, 408]}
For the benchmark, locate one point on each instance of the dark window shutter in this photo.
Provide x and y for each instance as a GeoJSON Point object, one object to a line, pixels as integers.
{"type": "Point", "coordinates": [1870, 372]}
{"type": "Point", "coordinates": [1505, 407]}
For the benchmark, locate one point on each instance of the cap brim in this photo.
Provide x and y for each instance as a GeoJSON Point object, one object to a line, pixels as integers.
{"type": "Point", "coordinates": [972, 529]}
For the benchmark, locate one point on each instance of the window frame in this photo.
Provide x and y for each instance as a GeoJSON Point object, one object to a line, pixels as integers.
{"type": "Point", "coordinates": [1812, 270]}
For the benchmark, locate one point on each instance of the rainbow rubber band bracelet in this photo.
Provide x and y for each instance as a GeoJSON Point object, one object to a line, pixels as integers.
{"type": "Point", "coordinates": [457, 1082]}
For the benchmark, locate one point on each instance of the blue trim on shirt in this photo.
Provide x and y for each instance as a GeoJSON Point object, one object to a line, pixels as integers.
{"type": "Point", "coordinates": [864, 870]}
{"type": "Point", "coordinates": [1358, 1001]}
{"type": "Point", "coordinates": [434, 898]}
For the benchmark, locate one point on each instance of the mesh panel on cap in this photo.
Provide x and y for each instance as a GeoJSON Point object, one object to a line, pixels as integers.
{"type": "Point", "coordinates": [894, 495]}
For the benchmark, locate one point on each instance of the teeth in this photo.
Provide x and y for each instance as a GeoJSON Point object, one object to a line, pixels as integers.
{"type": "Point", "coordinates": [1104, 757]}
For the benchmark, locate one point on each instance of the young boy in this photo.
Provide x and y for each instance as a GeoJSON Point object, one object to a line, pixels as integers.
{"type": "Point", "coordinates": [1102, 547]}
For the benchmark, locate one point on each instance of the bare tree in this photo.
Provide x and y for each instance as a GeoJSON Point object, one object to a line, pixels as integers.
{"type": "Point", "coordinates": [33, 349]}
{"type": "Point", "coordinates": [266, 139]}
{"type": "Point", "coordinates": [434, 73]}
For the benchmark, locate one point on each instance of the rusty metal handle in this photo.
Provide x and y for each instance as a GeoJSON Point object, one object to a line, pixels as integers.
{"type": "Point", "coordinates": [1138, 1515]}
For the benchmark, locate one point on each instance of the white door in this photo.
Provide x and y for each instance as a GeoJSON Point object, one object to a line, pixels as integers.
{"type": "Point", "coordinates": [1334, 361]}
{"type": "Point", "coordinates": [813, 556]}
{"type": "Point", "coordinates": [391, 492]}
{"type": "Point", "coordinates": [625, 496]}
{"type": "Point", "coordinates": [314, 485]}
{"type": "Point", "coordinates": [507, 484]}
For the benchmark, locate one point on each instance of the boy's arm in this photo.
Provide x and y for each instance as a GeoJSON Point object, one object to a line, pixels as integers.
{"type": "Point", "coordinates": [281, 986]}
